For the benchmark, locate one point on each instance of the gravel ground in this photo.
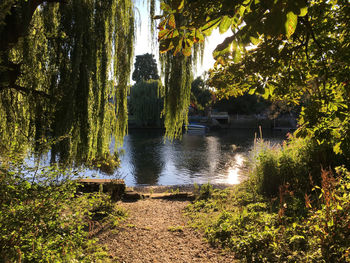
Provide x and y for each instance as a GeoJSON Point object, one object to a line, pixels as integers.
{"type": "Point", "coordinates": [156, 231]}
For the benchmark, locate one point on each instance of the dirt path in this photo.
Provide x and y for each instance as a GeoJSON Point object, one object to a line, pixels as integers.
{"type": "Point", "coordinates": [156, 231]}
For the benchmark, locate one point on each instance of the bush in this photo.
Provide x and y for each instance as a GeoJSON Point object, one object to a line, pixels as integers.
{"type": "Point", "coordinates": [297, 163]}
{"type": "Point", "coordinates": [260, 229]}
{"type": "Point", "coordinates": [290, 209]}
{"type": "Point", "coordinates": [329, 220]}
{"type": "Point", "coordinates": [42, 219]}
{"type": "Point", "coordinates": [205, 191]}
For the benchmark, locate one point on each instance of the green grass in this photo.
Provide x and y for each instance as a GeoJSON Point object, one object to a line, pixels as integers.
{"type": "Point", "coordinates": [287, 223]}
{"type": "Point", "coordinates": [176, 228]}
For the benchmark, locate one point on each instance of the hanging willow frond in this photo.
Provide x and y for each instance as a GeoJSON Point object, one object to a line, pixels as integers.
{"type": "Point", "coordinates": [177, 90]}
{"type": "Point", "coordinates": [80, 54]}
{"type": "Point", "coordinates": [177, 71]}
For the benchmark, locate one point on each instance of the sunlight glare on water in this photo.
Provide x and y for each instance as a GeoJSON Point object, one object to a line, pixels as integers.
{"type": "Point", "coordinates": [234, 172]}
{"type": "Point", "coordinates": [217, 157]}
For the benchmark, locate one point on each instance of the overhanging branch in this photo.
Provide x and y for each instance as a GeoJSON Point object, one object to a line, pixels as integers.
{"type": "Point", "coordinates": [17, 22]}
{"type": "Point", "coordinates": [26, 91]}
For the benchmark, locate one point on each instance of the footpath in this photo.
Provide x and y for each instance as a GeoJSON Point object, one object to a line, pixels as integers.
{"type": "Point", "coordinates": [156, 231]}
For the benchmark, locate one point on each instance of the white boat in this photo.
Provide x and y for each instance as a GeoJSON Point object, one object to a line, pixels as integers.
{"type": "Point", "coordinates": [197, 127]}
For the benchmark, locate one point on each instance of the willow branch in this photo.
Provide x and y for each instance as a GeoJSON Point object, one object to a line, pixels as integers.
{"type": "Point", "coordinates": [17, 22]}
{"type": "Point", "coordinates": [26, 91]}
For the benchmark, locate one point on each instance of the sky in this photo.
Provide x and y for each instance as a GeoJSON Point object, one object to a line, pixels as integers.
{"type": "Point", "coordinates": [143, 39]}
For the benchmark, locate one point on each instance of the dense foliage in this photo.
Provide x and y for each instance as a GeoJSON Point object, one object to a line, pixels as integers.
{"type": "Point", "coordinates": [145, 68]}
{"type": "Point", "coordinates": [176, 92]}
{"type": "Point", "coordinates": [290, 209]}
{"type": "Point", "coordinates": [64, 72]}
{"type": "Point", "coordinates": [298, 163]}
{"type": "Point", "coordinates": [288, 228]}
{"type": "Point", "coordinates": [66, 75]}
{"type": "Point", "coordinates": [145, 103]}
{"type": "Point", "coordinates": [296, 51]}
{"type": "Point", "coordinates": [201, 96]}
{"type": "Point", "coordinates": [44, 219]}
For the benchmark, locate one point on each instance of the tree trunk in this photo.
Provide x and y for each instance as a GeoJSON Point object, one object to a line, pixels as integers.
{"type": "Point", "coordinates": [17, 24]}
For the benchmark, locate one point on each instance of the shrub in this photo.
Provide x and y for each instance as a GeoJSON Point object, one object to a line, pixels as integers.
{"type": "Point", "coordinates": [329, 220]}
{"type": "Point", "coordinates": [42, 219]}
{"type": "Point", "coordinates": [297, 163]}
{"type": "Point", "coordinates": [205, 191]}
{"type": "Point", "coordinates": [317, 231]}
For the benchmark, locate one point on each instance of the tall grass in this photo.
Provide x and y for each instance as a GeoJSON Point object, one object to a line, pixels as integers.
{"type": "Point", "coordinates": [294, 208]}
{"type": "Point", "coordinates": [297, 163]}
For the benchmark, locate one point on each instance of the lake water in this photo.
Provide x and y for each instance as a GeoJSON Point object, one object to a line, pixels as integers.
{"type": "Point", "coordinates": [216, 157]}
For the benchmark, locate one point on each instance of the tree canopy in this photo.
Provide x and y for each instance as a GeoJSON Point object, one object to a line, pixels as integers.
{"type": "Point", "coordinates": [64, 72]}
{"type": "Point", "coordinates": [146, 104]}
{"type": "Point", "coordinates": [200, 94]}
{"type": "Point", "coordinates": [296, 51]}
{"type": "Point", "coordinates": [65, 66]}
{"type": "Point", "coordinates": [145, 98]}
{"type": "Point", "coordinates": [145, 68]}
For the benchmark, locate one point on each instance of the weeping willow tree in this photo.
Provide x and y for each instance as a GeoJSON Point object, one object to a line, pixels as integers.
{"type": "Point", "coordinates": [145, 103]}
{"type": "Point", "coordinates": [177, 71]}
{"type": "Point", "coordinates": [178, 60]}
{"type": "Point", "coordinates": [65, 75]}
{"type": "Point", "coordinates": [64, 72]}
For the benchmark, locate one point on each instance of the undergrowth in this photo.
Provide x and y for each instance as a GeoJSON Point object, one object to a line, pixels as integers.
{"type": "Point", "coordinates": [283, 213]}
{"type": "Point", "coordinates": [44, 219]}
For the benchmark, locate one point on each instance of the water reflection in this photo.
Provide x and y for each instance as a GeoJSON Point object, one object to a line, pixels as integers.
{"type": "Point", "coordinates": [216, 158]}
{"type": "Point", "coordinates": [234, 173]}
{"type": "Point", "coordinates": [141, 162]}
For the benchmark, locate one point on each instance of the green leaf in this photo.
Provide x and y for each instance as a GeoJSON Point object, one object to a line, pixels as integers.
{"type": "Point", "coordinates": [237, 53]}
{"type": "Point", "coordinates": [187, 50]}
{"type": "Point", "coordinates": [198, 36]}
{"type": "Point", "coordinates": [255, 41]}
{"type": "Point", "coordinates": [266, 94]}
{"type": "Point", "coordinates": [225, 24]}
{"type": "Point", "coordinates": [178, 46]}
{"type": "Point", "coordinates": [242, 8]}
{"type": "Point", "coordinates": [330, 222]}
{"type": "Point", "coordinates": [291, 24]}
{"type": "Point", "coordinates": [303, 11]}
{"type": "Point", "coordinates": [163, 34]}
{"type": "Point", "coordinates": [208, 27]}
{"type": "Point", "coordinates": [224, 47]}
{"type": "Point", "coordinates": [174, 33]}
{"type": "Point", "coordinates": [172, 22]}
{"type": "Point", "coordinates": [251, 91]}
{"type": "Point", "coordinates": [162, 24]}
{"type": "Point", "coordinates": [337, 148]}
{"type": "Point", "coordinates": [165, 7]}
{"type": "Point", "coordinates": [181, 5]}
{"type": "Point", "coordinates": [238, 56]}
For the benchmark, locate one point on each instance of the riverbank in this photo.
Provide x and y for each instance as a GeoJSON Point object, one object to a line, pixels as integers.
{"type": "Point", "coordinates": [189, 188]}
{"type": "Point", "coordinates": [233, 121]}
{"type": "Point", "coordinates": [157, 230]}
